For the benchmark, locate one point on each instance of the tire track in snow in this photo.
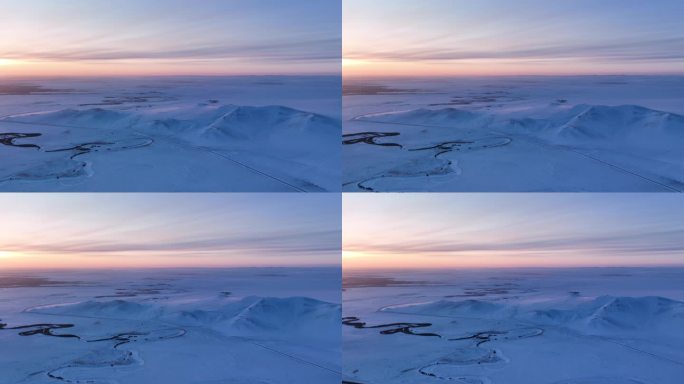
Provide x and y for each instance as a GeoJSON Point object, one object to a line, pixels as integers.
{"type": "Point", "coordinates": [226, 157]}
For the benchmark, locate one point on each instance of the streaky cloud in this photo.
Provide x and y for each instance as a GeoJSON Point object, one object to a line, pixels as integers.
{"type": "Point", "coordinates": [313, 50]}
{"type": "Point", "coordinates": [646, 50]}
{"type": "Point", "coordinates": [279, 244]}
{"type": "Point", "coordinates": [618, 243]}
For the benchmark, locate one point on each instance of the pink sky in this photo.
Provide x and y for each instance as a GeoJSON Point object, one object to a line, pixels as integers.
{"type": "Point", "coordinates": [101, 230]}
{"type": "Point", "coordinates": [502, 37]}
{"type": "Point", "coordinates": [169, 37]}
{"type": "Point", "coordinates": [454, 230]}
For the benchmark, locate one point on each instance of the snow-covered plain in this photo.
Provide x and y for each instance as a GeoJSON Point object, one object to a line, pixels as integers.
{"type": "Point", "coordinates": [590, 133]}
{"type": "Point", "coordinates": [527, 326]}
{"type": "Point", "coordinates": [252, 326]}
{"type": "Point", "coordinates": [166, 134]}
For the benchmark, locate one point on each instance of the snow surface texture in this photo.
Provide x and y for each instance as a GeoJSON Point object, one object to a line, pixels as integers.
{"type": "Point", "coordinates": [598, 133]}
{"type": "Point", "coordinates": [171, 134]}
{"type": "Point", "coordinates": [532, 326]}
{"type": "Point", "coordinates": [257, 325]}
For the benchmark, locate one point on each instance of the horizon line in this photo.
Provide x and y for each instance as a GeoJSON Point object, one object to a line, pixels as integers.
{"type": "Point", "coordinates": [16, 76]}
{"type": "Point", "coordinates": [424, 76]}
{"type": "Point", "coordinates": [441, 268]}
{"type": "Point", "coordinates": [11, 268]}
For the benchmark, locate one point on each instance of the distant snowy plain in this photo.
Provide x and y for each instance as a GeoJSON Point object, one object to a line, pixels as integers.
{"type": "Point", "coordinates": [518, 326]}
{"type": "Point", "coordinates": [589, 133]}
{"type": "Point", "coordinates": [252, 326]}
{"type": "Point", "coordinates": [256, 134]}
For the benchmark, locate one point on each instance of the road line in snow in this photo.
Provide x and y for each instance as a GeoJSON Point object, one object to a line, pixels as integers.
{"type": "Point", "coordinates": [226, 157]}
{"type": "Point", "coordinates": [255, 170]}
{"type": "Point", "coordinates": [294, 357]}
{"type": "Point", "coordinates": [568, 149]}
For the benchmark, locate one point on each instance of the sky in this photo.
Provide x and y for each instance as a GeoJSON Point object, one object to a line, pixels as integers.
{"type": "Point", "coordinates": [511, 230]}
{"type": "Point", "coordinates": [169, 37]}
{"type": "Point", "coordinates": [503, 37]}
{"type": "Point", "coordinates": [102, 230]}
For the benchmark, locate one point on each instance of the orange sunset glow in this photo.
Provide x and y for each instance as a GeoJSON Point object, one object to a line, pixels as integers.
{"type": "Point", "coordinates": [101, 230]}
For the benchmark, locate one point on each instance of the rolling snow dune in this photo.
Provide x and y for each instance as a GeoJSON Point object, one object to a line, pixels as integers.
{"type": "Point", "coordinates": [604, 313]}
{"type": "Point", "coordinates": [250, 315]}
{"type": "Point", "coordinates": [294, 314]}
{"type": "Point", "coordinates": [271, 122]}
{"type": "Point", "coordinates": [237, 147]}
{"type": "Point", "coordinates": [444, 117]}
{"type": "Point", "coordinates": [608, 313]}
{"type": "Point", "coordinates": [562, 147]}
{"type": "Point", "coordinates": [466, 308]}
{"type": "Point", "coordinates": [114, 309]}
{"type": "Point", "coordinates": [83, 118]}
{"type": "Point", "coordinates": [259, 315]}
{"type": "Point", "coordinates": [614, 325]}
{"type": "Point", "coordinates": [171, 326]}
{"type": "Point", "coordinates": [626, 124]}
{"type": "Point", "coordinates": [227, 122]}
{"type": "Point", "coordinates": [582, 125]}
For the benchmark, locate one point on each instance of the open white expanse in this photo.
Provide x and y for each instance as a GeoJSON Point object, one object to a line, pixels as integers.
{"type": "Point", "coordinates": [527, 326]}
{"type": "Point", "coordinates": [252, 133]}
{"type": "Point", "coordinates": [589, 133]}
{"type": "Point", "coordinates": [250, 325]}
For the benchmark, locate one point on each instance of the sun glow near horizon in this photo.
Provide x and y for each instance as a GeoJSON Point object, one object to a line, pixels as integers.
{"type": "Point", "coordinates": [153, 230]}
{"type": "Point", "coordinates": [10, 254]}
